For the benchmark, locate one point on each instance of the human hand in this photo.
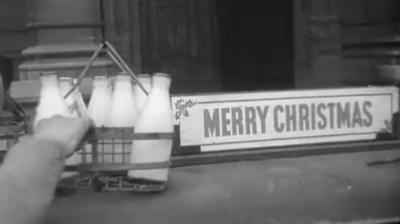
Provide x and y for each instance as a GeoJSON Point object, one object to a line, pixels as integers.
{"type": "Point", "coordinates": [69, 132]}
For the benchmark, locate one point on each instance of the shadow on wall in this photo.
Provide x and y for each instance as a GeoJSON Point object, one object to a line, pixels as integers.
{"type": "Point", "coordinates": [6, 70]}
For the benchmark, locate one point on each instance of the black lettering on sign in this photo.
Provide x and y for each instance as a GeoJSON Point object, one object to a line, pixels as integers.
{"type": "Point", "coordinates": [313, 122]}
{"type": "Point", "coordinates": [211, 123]}
{"type": "Point", "coordinates": [250, 117]}
{"type": "Point", "coordinates": [357, 115]}
{"type": "Point", "coordinates": [291, 118]}
{"type": "Point", "coordinates": [262, 114]}
{"type": "Point", "coordinates": [343, 115]}
{"type": "Point", "coordinates": [368, 120]}
{"type": "Point", "coordinates": [279, 126]}
{"type": "Point", "coordinates": [225, 121]}
{"type": "Point", "coordinates": [323, 121]}
{"type": "Point", "coordinates": [331, 107]}
{"type": "Point", "coordinates": [304, 117]}
{"type": "Point", "coordinates": [237, 121]}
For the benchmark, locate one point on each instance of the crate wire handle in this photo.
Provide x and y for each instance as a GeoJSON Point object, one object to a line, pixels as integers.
{"type": "Point", "coordinates": [115, 57]}
{"type": "Point", "coordinates": [122, 64]}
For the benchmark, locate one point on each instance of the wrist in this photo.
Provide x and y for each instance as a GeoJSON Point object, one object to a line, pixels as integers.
{"type": "Point", "coordinates": [47, 147]}
{"type": "Point", "coordinates": [33, 157]}
{"type": "Point", "coordinates": [59, 147]}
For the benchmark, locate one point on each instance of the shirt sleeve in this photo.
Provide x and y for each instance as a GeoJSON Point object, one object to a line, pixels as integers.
{"type": "Point", "coordinates": [28, 177]}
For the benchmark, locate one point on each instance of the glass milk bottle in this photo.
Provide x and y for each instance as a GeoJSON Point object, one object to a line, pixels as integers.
{"type": "Point", "coordinates": [80, 103]}
{"type": "Point", "coordinates": [123, 109]}
{"type": "Point", "coordinates": [156, 116]}
{"type": "Point", "coordinates": [140, 96]}
{"type": "Point", "coordinates": [100, 100]}
{"type": "Point", "coordinates": [51, 101]}
{"type": "Point", "coordinates": [65, 84]}
{"type": "Point", "coordinates": [98, 109]}
{"type": "Point", "coordinates": [122, 115]}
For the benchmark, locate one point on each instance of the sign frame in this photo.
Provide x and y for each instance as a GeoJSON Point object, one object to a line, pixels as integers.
{"type": "Point", "coordinates": [184, 107]}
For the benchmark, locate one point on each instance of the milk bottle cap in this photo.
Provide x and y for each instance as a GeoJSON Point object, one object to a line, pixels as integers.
{"type": "Point", "coordinates": [165, 75]}
{"type": "Point", "coordinates": [48, 76]}
{"type": "Point", "coordinates": [123, 76]}
{"type": "Point", "coordinates": [144, 76]}
{"type": "Point", "coordinates": [48, 73]}
{"type": "Point", "coordinates": [66, 79]}
{"type": "Point", "coordinates": [161, 79]}
{"type": "Point", "coordinates": [100, 77]}
{"type": "Point", "coordinates": [101, 81]}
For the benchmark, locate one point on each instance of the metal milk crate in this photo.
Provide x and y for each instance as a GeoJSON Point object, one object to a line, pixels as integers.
{"type": "Point", "coordinates": [99, 167]}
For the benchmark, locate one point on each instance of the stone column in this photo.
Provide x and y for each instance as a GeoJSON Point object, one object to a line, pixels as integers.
{"type": "Point", "coordinates": [63, 35]}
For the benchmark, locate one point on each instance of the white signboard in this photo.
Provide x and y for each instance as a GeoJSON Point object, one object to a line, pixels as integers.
{"type": "Point", "coordinates": [266, 119]}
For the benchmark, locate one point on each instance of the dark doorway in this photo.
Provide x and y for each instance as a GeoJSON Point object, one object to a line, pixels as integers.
{"type": "Point", "coordinates": [256, 44]}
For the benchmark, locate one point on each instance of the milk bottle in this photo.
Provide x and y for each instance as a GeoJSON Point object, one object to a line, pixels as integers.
{"type": "Point", "coordinates": [123, 109]}
{"type": "Point", "coordinates": [140, 96]}
{"type": "Point", "coordinates": [80, 103]}
{"type": "Point", "coordinates": [98, 110]}
{"type": "Point", "coordinates": [51, 101]}
{"type": "Point", "coordinates": [156, 116]}
{"type": "Point", "coordinates": [65, 84]}
{"type": "Point", "coordinates": [100, 100]}
{"type": "Point", "coordinates": [122, 115]}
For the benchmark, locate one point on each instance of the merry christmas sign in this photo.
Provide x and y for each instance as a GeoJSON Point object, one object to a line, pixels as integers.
{"type": "Point", "coordinates": [266, 119]}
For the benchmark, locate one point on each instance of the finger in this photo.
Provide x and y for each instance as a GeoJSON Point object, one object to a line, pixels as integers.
{"type": "Point", "coordinates": [41, 123]}
{"type": "Point", "coordinates": [49, 119]}
{"type": "Point", "coordinates": [58, 116]}
{"type": "Point", "coordinates": [89, 120]}
{"type": "Point", "coordinates": [86, 123]}
{"type": "Point", "coordinates": [81, 127]}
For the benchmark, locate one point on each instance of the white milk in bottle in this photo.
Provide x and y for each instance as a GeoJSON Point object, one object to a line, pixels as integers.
{"type": "Point", "coordinates": [80, 103]}
{"type": "Point", "coordinates": [123, 110]}
{"type": "Point", "coordinates": [156, 116]}
{"type": "Point", "coordinates": [140, 96]}
{"type": "Point", "coordinates": [98, 110]}
{"type": "Point", "coordinates": [51, 101]}
{"type": "Point", "coordinates": [122, 115]}
{"type": "Point", "coordinates": [74, 101]}
{"type": "Point", "coordinates": [65, 84]}
{"type": "Point", "coordinates": [100, 100]}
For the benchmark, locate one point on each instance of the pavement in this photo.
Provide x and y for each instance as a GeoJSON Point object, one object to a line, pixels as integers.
{"type": "Point", "coordinates": [314, 189]}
